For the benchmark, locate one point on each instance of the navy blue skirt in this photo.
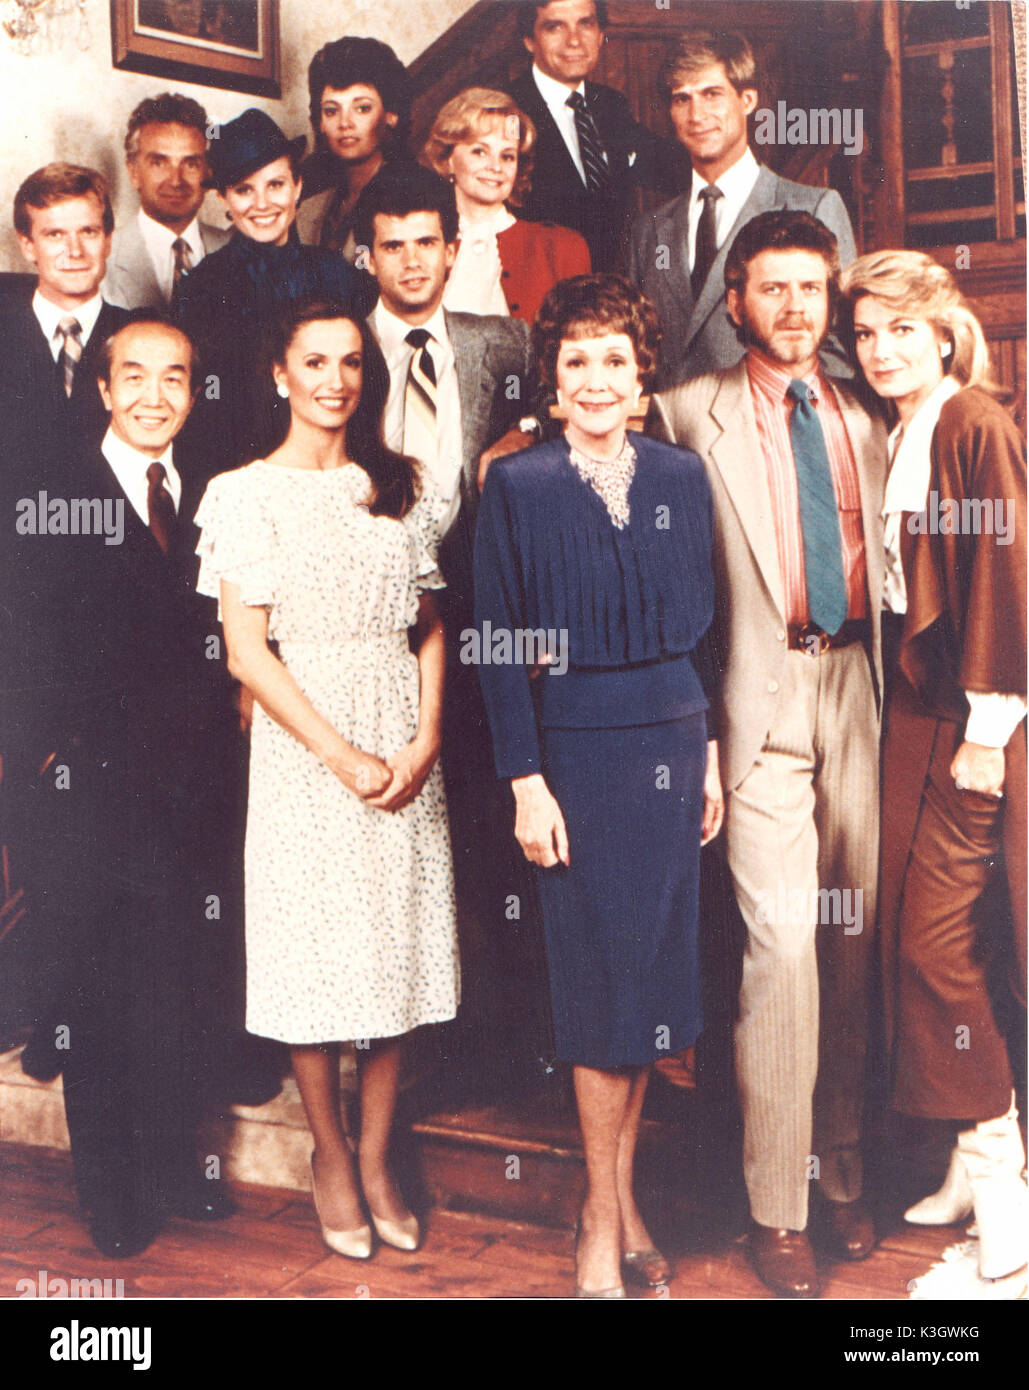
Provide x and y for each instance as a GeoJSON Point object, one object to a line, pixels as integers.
{"type": "Point", "coordinates": [621, 919]}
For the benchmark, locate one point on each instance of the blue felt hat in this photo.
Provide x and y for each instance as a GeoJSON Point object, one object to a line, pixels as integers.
{"type": "Point", "coordinates": [241, 147]}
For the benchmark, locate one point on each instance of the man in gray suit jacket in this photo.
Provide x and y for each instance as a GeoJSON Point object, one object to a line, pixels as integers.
{"type": "Point", "coordinates": [677, 253]}
{"type": "Point", "coordinates": [166, 159]}
{"type": "Point", "coordinates": [458, 384]}
{"type": "Point", "coordinates": [796, 469]}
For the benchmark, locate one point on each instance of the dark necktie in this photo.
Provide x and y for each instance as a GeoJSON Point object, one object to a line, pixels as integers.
{"type": "Point", "coordinates": [421, 435]}
{"type": "Point", "coordinates": [591, 147]}
{"type": "Point", "coordinates": [707, 238]}
{"type": "Point", "coordinates": [819, 515]}
{"type": "Point", "coordinates": [183, 261]}
{"type": "Point", "coordinates": [71, 352]}
{"type": "Point", "coordinates": [160, 508]}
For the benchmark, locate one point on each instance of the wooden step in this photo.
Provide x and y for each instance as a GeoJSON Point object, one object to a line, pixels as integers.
{"type": "Point", "coordinates": [522, 1160]}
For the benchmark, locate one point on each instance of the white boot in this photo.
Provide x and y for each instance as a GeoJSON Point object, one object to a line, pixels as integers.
{"type": "Point", "coordinates": [993, 1158]}
{"type": "Point", "coordinates": [952, 1203]}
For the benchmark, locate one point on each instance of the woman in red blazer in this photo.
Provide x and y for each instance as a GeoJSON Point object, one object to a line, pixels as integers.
{"type": "Point", "coordinates": [483, 143]}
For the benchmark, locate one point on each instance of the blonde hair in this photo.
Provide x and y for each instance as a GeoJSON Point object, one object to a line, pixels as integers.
{"type": "Point", "coordinates": [910, 282]}
{"type": "Point", "coordinates": [466, 117]}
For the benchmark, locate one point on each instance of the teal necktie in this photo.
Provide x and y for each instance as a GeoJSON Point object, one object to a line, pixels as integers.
{"type": "Point", "coordinates": [819, 516]}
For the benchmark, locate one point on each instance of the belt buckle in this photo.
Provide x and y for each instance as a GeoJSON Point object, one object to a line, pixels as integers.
{"type": "Point", "coordinates": [814, 640]}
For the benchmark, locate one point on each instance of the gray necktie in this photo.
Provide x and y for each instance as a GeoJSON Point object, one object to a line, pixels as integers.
{"type": "Point", "coordinates": [71, 351]}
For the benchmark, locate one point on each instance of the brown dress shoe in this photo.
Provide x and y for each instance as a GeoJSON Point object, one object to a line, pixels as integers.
{"type": "Point", "coordinates": [784, 1261]}
{"type": "Point", "coordinates": [848, 1229]}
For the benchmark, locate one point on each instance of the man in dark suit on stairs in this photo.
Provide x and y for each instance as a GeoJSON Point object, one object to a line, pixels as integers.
{"type": "Point", "coordinates": [127, 813]}
{"type": "Point", "coordinates": [591, 152]}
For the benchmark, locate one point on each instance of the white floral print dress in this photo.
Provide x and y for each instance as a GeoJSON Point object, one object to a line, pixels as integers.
{"type": "Point", "coordinates": [350, 918]}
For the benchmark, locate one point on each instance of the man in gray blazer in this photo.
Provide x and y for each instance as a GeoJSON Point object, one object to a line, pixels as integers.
{"type": "Point", "coordinates": [677, 253]}
{"type": "Point", "coordinates": [166, 159]}
{"type": "Point", "coordinates": [458, 384]}
{"type": "Point", "coordinates": [796, 469]}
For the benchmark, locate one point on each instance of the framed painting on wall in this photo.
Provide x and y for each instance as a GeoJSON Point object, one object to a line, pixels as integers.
{"type": "Point", "coordinates": [217, 43]}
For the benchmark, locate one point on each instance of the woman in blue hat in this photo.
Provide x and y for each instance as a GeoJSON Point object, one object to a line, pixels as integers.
{"type": "Point", "coordinates": [225, 303]}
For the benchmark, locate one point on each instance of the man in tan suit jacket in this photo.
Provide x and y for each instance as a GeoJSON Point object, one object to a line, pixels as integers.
{"type": "Point", "coordinates": [797, 636]}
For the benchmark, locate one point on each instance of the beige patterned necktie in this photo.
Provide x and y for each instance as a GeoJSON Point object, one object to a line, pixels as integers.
{"type": "Point", "coordinates": [421, 432]}
{"type": "Point", "coordinates": [71, 351]}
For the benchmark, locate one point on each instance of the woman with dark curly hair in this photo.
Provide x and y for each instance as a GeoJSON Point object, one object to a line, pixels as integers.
{"type": "Point", "coordinates": [483, 143]}
{"type": "Point", "coordinates": [360, 114]}
{"type": "Point", "coordinates": [602, 539]}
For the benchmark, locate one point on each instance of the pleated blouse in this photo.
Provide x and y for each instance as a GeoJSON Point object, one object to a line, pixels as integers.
{"type": "Point", "coordinates": [624, 606]}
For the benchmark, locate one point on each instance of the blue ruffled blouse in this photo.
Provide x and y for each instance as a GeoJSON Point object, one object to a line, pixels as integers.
{"type": "Point", "coordinates": [620, 609]}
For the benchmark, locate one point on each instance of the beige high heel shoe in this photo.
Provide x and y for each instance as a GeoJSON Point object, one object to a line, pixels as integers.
{"type": "Point", "coordinates": [402, 1235]}
{"type": "Point", "coordinates": [356, 1244]}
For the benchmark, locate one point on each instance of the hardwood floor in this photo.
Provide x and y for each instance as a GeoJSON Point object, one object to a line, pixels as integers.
{"type": "Point", "coordinates": [272, 1249]}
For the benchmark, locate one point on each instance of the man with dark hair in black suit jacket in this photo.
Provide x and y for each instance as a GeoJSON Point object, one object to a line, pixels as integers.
{"type": "Point", "coordinates": [591, 151]}
{"type": "Point", "coordinates": [131, 885]}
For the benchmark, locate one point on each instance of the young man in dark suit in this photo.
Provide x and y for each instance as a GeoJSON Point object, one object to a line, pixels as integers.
{"type": "Point", "coordinates": [127, 816]}
{"type": "Point", "coordinates": [50, 411]}
{"type": "Point", "coordinates": [591, 152]}
{"type": "Point", "coordinates": [52, 332]}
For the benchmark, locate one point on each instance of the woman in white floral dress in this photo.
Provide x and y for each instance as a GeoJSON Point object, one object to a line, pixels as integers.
{"type": "Point", "coordinates": [323, 550]}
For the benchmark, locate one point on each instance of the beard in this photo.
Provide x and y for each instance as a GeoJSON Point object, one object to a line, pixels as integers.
{"type": "Point", "coordinates": [793, 341]}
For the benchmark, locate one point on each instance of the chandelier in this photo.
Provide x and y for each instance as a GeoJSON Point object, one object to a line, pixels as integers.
{"type": "Point", "coordinates": [36, 26]}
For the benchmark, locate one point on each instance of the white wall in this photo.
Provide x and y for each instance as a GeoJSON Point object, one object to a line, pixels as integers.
{"type": "Point", "coordinates": [73, 105]}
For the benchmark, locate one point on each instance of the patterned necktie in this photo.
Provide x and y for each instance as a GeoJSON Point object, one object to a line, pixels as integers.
{"type": "Point", "coordinates": [71, 352]}
{"type": "Point", "coordinates": [707, 238]}
{"type": "Point", "coordinates": [819, 514]}
{"type": "Point", "coordinates": [591, 147]}
{"type": "Point", "coordinates": [421, 434]}
{"type": "Point", "coordinates": [183, 261]}
{"type": "Point", "coordinates": [160, 508]}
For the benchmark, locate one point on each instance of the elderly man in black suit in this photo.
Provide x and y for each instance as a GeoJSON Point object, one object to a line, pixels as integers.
{"type": "Point", "coordinates": [591, 152]}
{"type": "Point", "coordinates": [131, 886]}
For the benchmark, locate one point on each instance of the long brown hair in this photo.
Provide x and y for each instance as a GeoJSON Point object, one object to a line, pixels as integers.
{"type": "Point", "coordinates": [394, 476]}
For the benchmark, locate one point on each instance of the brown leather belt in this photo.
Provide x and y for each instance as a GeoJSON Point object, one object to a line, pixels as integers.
{"type": "Point", "coordinates": [809, 637]}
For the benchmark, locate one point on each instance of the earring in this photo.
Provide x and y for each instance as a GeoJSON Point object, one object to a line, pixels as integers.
{"type": "Point", "coordinates": [945, 349]}
{"type": "Point", "coordinates": [283, 390]}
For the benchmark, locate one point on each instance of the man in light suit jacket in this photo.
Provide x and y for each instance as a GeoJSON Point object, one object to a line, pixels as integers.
{"type": "Point", "coordinates": [796, 469]}
{"type": "Point", "coordinates": [166, 159]}
{"type": "Point", "coordinates": [677, 253]}
{"type": "Point", "coordinates": [477, 372]}
{"type": "Point", "coordinates": [585, 180]}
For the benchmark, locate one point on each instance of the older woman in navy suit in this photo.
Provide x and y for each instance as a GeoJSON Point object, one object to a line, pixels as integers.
{"type": "Point", "coordinates": [602, 539]}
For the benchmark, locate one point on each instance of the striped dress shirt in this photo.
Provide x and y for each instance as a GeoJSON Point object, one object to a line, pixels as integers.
{"type": "Point", "coordinates": [772, 411]}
